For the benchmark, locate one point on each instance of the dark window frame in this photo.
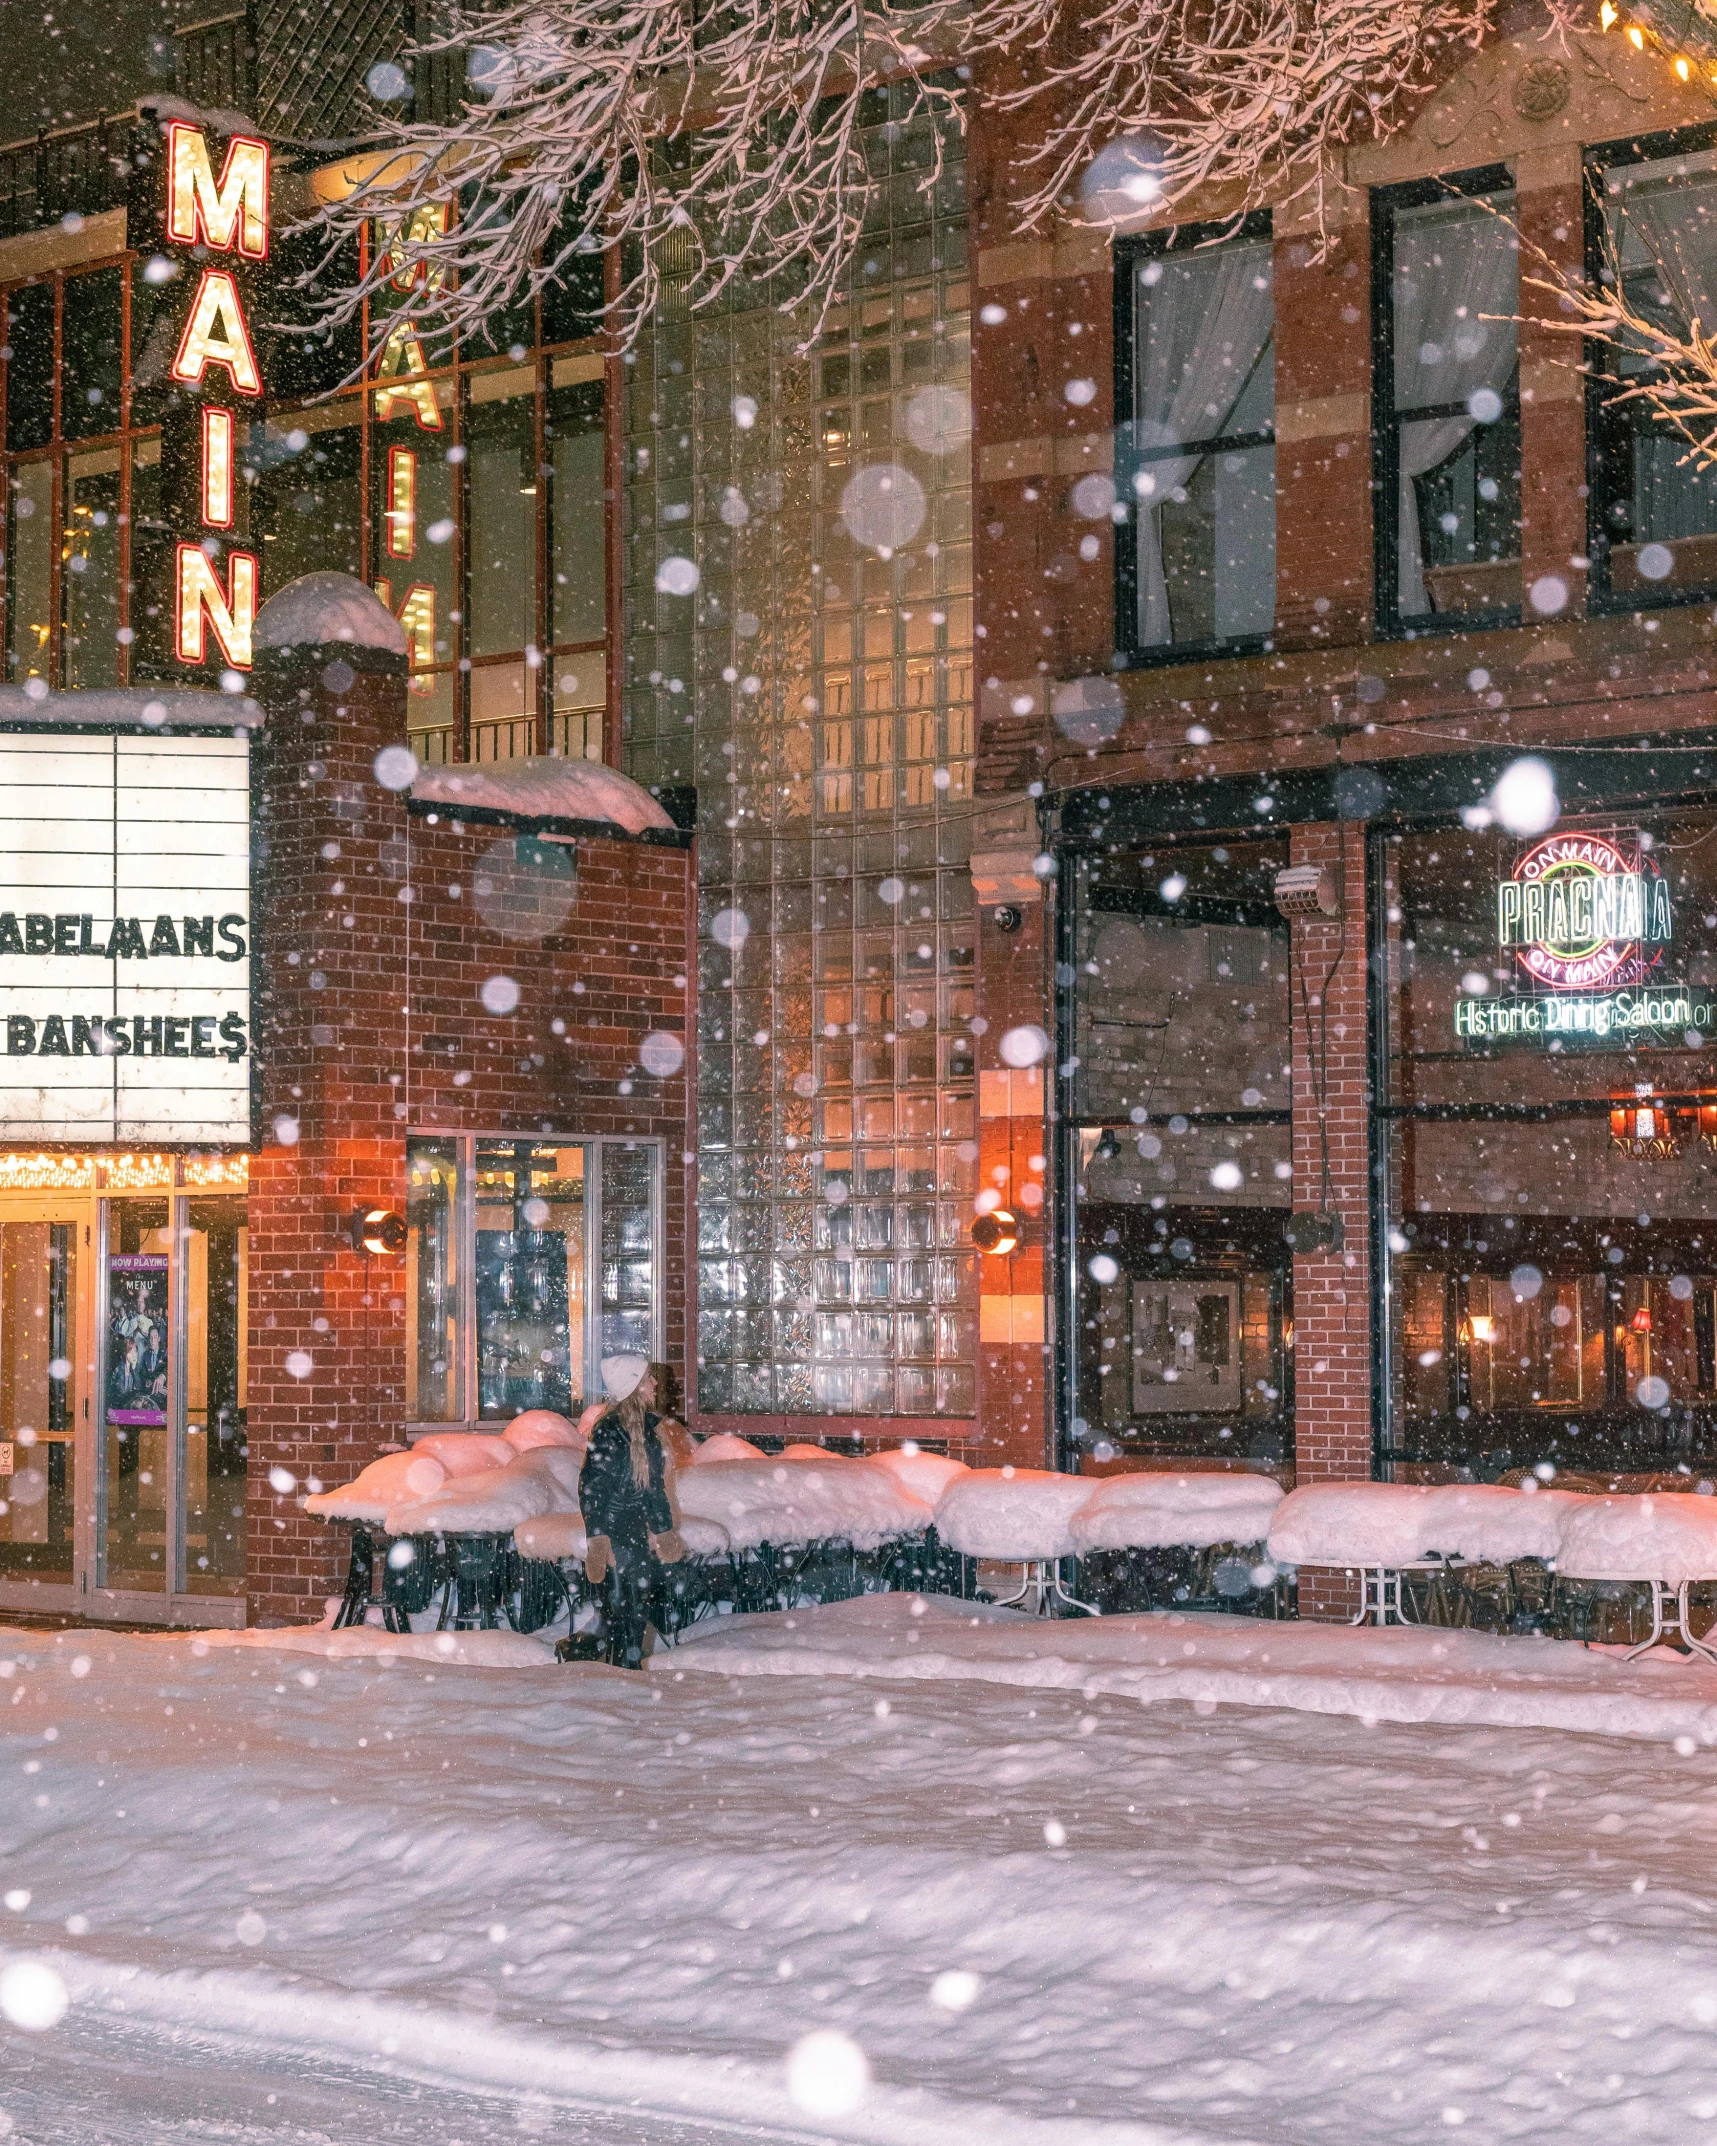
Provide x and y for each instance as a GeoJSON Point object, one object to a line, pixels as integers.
{"type": "Point", "coordinates": [1129, 254]}
{"type": "Point", "coordinates": [1386, 202]}
{"type": "Point", "coordinates": [1596, 161]}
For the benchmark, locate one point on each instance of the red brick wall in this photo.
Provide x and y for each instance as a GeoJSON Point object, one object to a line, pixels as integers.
{"type": "Point", "coordinates": [401, 958]}
{"type": "Point", "coordinates": [1332, 1291]}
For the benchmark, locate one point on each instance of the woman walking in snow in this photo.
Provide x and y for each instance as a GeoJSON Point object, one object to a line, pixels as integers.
{"type": "Point", "coordinates": [624, 1493]}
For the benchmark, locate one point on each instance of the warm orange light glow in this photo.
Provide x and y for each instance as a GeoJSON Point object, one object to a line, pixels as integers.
{"type": "Point", "coordinates": [416, 615]}
{"type": "Point", "coordinates": [1681, 67]}
{"type": "Point", "coordinates": [1606, 15]}
{"type": "Point", "coordinates": [402, 503]}
{"type": "Point", "coordinates": [216, 334]}
{"type": "Point", "coordinates": [218, 467]}
{"type": "Point", "coordinates": [46, 1173]}
{"type": "Point", "coordinates": [427, 221]}
{"type": "Point", "coordinates": [202, 212]}
{"type": "Point", "coordinates": [1636, 38]}
{"type": "Point", "coordinates": [1641, 1320]}
{"type": "Point", "coordinates": [202, 603]}
{"type": "Point", "coordinates": [996, 1233]}
{"type": "Point", "coordinates": [403, 367]}
{"type": "Point", "coordinates": [1483, 1327]}
{"type": "Point", "coordinates": [131, 1173]}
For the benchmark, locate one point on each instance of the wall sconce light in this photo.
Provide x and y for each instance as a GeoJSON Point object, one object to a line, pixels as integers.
{"type": "Point", "coordinates": [996, 1233]}
{"type": "Point", "coordinates": [1481, 1327]}
{"type": "Point", "coordinates": [1640, 1323]}
{"type": "Point", "coordinates": [379, 1232]}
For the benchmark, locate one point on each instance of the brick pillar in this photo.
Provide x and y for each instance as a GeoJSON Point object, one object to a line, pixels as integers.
{"type": "Point", "coordinates": [1014, 1134]}
{"type": "Point", "coordinates": [1323, 428]}
{"type": "Point", "coordinates": [1552, 392]}
{"type": "Point", "coordinates": [1332, 1291]}
{"type": "Point", "coordinates": [327, 1361]}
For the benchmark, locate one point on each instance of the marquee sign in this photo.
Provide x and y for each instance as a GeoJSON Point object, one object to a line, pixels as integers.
{"type": "Point", "coordinates": [208, 218]}
{"type": "Point", "coordinates": [124, 938]}
{"type": "Point", "coordinates": [1587, 919]}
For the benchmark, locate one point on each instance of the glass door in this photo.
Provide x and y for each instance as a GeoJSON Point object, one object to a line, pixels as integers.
{"type": "Point", "coordinates": [216, 1252]}
{"type": "Point", "coordinates": [41, 1383]}
{"type": "Point", "coordinates": [134, 1541]}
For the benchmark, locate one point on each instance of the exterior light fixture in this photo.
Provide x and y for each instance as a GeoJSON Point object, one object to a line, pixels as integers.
{"type": "Point", "coordinates": [1640, 1323]}
{"type": "Point", "coordinates": [996, 1233]}
{"type": "Point", "coordinates": [379, 1232]}
{"type": "Point", "coordinates": [1481, 1327]}
{"type": "Point", "coordinates": [1306, 890]}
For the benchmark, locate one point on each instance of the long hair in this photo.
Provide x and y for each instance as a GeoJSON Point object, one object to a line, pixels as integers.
{"type": "Point", "coordinates": [631, 1412]}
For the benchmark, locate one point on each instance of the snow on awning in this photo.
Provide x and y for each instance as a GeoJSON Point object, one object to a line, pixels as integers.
{"type": "Point", "coordinates": [544, 787]}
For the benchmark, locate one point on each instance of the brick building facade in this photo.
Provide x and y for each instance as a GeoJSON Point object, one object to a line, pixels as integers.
{"type": "Point", "coordinates": [1248, 545]}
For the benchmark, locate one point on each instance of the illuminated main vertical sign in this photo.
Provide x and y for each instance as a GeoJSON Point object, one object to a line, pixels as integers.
{"type": "Point", "coordinates": [217, 209]}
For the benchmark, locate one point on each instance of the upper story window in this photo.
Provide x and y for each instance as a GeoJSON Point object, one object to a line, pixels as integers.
{"type": "Point", "coordinates": [1195, 449]}
{"type": "Point", "coordinates": [1652, 219]}
{"type": "Point", "coordinates": [472, 498]}
{"type": "Point", "coordinates": [1446, 430]}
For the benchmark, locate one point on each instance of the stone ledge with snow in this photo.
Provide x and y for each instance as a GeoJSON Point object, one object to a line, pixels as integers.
{"type": "Point", "coordinates": [325, 610]}
{"type": "Point", "coordinates": [544, 787]}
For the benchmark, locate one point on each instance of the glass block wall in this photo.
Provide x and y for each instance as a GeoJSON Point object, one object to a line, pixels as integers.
{"type": "Point", "coordinates": [816, 686]}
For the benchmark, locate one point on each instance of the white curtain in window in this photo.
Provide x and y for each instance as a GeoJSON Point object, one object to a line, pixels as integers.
{"type": "Point", "coordinates": [1446, 260]}
{"type": "Point", "coordinates": [1201, 331]}
{"type": "Point", "coordinates": [1677, 226]}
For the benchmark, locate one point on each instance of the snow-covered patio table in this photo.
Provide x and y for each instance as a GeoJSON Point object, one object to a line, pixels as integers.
{"type": "Point", "coordinates": [1018, 1516]}
{"type": "Point", "coordinates": [1665, 1539]}
{"type": "Point", "coordinates": [1388, 1530]}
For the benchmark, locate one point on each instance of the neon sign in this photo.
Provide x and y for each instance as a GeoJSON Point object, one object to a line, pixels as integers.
{"type": "Point", "coordinates": [216, 581]}
{"type": "Point", "coordinates": [1586, 918]}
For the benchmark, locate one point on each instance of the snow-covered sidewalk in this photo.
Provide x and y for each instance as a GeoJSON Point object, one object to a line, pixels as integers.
{"type": "Point", "coordinates": [1401, 1674]}
{"type": "Point", "coordinates": [1048, 1914]}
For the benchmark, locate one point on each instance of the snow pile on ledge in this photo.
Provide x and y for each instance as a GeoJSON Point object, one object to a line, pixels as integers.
{"type": "Point", "coordinates": [796, 1501]}
{"type": "Point", "coordinates": [1012, 1514]}
{"type": "Point", "coordinates": [543, 787]}
{"type": "Point", "coordinates": [321, 609]}
{"type": "Point", "coordinates": [146, 707]}
{"type": "Point", "coordinates": [1151, 1511]}
{"type": "Point", "coordinates": [551, 1536]}
{"type": "Point", "coordinates": [1669, 1536]}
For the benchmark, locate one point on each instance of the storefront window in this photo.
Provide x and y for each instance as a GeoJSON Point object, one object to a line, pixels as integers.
{"type": "Point", "coordinates": [1654, 509]}
{"type": "Point", "coordinates": [1183, 1178]}
{"type": "Point", "coordinates": [89, 559]}
{"type": "Point", "coordinates": [518, 1286]}
{"type": "Point", "coordinates": [30, 582]}
{"type": "Point", "coordinates": [1447, 440]}
{"type": "Point", "coordinates": [1551, 1136]}
{"type": "Point", "coordinates": [1196, 457]}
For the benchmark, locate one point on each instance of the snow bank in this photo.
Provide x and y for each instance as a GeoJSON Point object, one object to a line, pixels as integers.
{"type": "Point", "coordinates": [1011, 1515]}
{"type": "Point", "coordinates": [1669, 1536]}
{"type": "Point", "coordinates": [797, 1501]}
{"type": "Point", "coordinates": [926, 1475]}
{"type": "Point", "coordinates": [1157, 1511]}
{"type": "Point", "coordinates": [725, 1446]}
{"type": "Point", "coordinates": [390, 1481]}
{"type": "Point", "coordinates": [170, 708]}
{"type": "Point", "coordinates": [1396, 1523]}
{"type": "Point", "coordinates": [542, 1427]}
{"type": "Point", "coordinates": [319, 609]}
{"type": "Point", "coordinates": [703, 1538]}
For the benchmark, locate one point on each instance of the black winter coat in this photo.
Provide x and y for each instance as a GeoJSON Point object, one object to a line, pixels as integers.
{"type": "Point", "coordinates": [613, 1504]}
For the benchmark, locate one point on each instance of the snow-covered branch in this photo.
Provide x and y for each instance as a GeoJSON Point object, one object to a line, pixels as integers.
{"type": "Point", "coordinates": [717, 143]}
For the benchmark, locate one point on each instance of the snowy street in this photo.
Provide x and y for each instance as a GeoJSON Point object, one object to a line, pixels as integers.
{"type": "Point", "coordinates": [606, 1909]}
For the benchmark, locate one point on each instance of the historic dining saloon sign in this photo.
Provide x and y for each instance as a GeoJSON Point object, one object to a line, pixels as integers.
{"type": "Point", "coordinates": [1586, 922]}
